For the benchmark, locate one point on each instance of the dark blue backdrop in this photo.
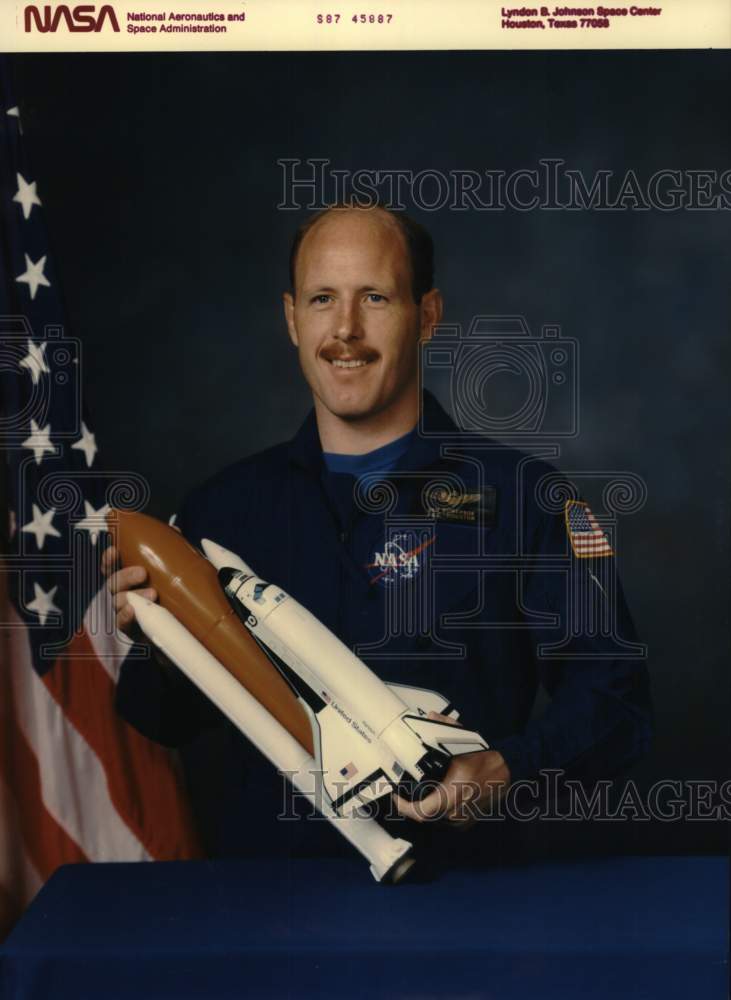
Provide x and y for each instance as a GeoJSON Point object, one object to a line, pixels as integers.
{"type": "Point", "coordinates": [160, 181]}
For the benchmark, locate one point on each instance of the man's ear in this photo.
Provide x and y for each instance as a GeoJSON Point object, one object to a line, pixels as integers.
{"type": "Point", "coordinates": [430, 308]}
{"type": "Point", "coordinates": [288, 301]}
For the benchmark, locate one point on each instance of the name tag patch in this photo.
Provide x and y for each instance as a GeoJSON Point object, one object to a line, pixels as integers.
{"type": "Point", "coordinates": [471, 507]}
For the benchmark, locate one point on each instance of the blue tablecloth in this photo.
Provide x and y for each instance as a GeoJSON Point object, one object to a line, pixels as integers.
{"type": "Point", "coordinates": [620, 927]}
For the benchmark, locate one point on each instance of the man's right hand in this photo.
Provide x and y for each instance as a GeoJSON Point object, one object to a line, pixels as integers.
{"type": "Point", "coordinates": [120, 581]}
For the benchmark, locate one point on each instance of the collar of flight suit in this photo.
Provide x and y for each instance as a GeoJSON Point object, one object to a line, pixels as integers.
{"type": "Point", "coordinates": [305, 449]}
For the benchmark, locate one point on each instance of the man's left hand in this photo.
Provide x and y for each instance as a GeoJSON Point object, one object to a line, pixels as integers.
{"type": "Point", "coordinates": [472, 779]}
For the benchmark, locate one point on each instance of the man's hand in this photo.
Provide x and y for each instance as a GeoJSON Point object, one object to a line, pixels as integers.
{"type": "Point", "coordinates": [471, 779]}
{"type": "Point", "coordinates": [120, 581]}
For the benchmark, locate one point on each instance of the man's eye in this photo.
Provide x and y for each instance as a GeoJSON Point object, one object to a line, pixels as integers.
{"type": "Point", "coordinates": [320, 299]}
{"type": "Point", "coordinates": [375, 297]}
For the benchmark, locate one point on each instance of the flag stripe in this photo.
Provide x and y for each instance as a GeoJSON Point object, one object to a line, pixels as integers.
{"type": "Point", "coordinates": [86, 694]}
{"type": "Point", "coordinates": [47, 843]}
{"type": "Point", "coordinates": [73, 783]}
{"type": "Point", "coordinates": [9, 908]}
{"type": "Point", "coordinates": [18, 876]}
{"type": "Point", "coordinates": [110, 648]}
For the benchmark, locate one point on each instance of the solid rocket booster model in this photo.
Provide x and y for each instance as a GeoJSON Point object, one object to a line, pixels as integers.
{"type": "Point", "coordinates": [342, 736]}
{"type": "Point", "coordinates": [370, 738]}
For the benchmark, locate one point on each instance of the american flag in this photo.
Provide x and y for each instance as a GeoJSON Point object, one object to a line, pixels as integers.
{"type": "Point", "coordinates": [587, 538]}
{"type": "Point", "coordinates": [76, 782]}
{"type": "Point", "coordinates": [349, 771]}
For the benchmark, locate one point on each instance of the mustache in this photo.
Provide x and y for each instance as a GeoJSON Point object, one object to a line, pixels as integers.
{"type": "Point", "coordinates": [336, 353]}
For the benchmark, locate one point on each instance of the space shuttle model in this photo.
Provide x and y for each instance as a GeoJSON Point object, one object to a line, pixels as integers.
{"type": "Point", "coordinates": [342, 736]}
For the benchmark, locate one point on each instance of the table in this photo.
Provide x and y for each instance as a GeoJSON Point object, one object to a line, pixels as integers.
{"type": "Point", "coordinates": [617, 927]}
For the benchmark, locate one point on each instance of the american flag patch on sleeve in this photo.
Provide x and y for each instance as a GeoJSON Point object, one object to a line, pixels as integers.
{"type": "Point", "coordinates": [587, 539]}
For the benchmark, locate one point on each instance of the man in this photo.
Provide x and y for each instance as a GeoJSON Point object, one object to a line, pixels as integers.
{"type": "Point", "coordinates": [455, 582]}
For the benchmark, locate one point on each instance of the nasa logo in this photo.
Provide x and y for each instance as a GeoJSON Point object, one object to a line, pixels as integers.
{"type": "Point", "coordinates": [399, 560]}
{"type": "Point", "coordinates": [79, 18]}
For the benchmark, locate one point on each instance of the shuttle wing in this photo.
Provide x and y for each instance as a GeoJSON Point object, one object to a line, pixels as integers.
{"type": "Point", "coordinates": [452, 740]}
{"type": "Point", "coordinates": [422, 701]}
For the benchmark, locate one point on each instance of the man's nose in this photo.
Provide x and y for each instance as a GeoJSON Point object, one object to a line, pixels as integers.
{"type": "Point", "coordinates": [348, 324]}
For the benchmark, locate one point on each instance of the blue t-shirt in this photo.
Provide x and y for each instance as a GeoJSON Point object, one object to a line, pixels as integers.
{"type": "Point", "coordinates": [381, 460]}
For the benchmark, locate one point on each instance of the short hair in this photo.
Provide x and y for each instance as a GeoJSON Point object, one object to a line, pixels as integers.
{"type": "Point", "coordinates": [419, 244]}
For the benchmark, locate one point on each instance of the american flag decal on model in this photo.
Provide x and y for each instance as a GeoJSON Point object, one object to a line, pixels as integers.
{"type": "Point", "coordinates": [587, 539]}
{"type": "Point", "coordinates": [349, 771]}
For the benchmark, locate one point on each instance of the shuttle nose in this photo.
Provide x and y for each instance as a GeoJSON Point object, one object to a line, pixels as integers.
{"type": "Point", "coordinates": [223, 558]}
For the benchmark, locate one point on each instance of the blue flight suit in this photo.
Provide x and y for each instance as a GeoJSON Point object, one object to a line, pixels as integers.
{"type": "Point", "coordinates": [453, 571]}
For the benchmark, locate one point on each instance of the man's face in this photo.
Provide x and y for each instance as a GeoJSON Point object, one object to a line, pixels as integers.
{"type": "Point", "coordinates": [353, 318]}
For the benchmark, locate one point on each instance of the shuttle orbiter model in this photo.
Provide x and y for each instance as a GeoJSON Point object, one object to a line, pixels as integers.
{"type": "Point", "coordinates": [370, 738]}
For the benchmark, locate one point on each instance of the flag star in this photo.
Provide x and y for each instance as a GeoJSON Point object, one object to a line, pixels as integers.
{"type": "Point", "coordinates": [87, 444]}
{"type": "Point", "coordinates": [42, 603]}
{"type": "Point", "coordinates": [41, 525]}
{"type": "Point", "coordinates": [39, 441]}
{"type": "Point", "coordinates": [35, 361]}
{"type": "Point", "coordinates": [94, 522]}
{"type": "Point", "coordinates": [15, 113]}
{"type": "Point", "coordinates": [26, 195]}
{"type": "Point", "coordinates": [33, 276]}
